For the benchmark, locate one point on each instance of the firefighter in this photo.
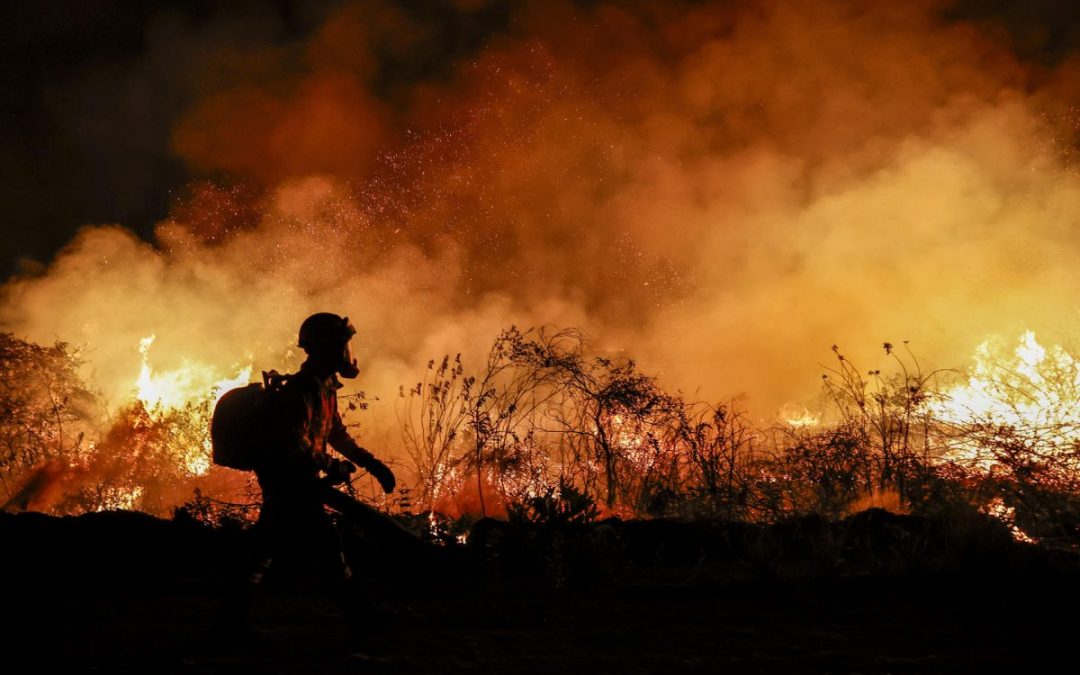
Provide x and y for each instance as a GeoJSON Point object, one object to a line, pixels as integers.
{"type": "Point", "coordinates": [296, 469]}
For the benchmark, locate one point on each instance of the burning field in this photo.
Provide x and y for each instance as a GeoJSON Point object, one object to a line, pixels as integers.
{"type": "Point", "coordinates": [726, 292]}
{"type": "Point", "coordinates": [688, 202]}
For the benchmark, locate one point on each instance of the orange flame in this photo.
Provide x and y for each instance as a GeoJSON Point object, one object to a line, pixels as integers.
{"type": "Point", "coordinates": [193, 382]}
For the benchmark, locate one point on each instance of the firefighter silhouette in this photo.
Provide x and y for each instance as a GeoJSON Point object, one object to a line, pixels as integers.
{"type": "Point", "coordinates": [296, 469]}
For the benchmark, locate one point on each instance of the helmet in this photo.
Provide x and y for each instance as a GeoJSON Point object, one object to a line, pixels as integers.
{"type": "Point", "coordinates": [326, 336]}
{"type": "Point", "coordinates": [322, 328]}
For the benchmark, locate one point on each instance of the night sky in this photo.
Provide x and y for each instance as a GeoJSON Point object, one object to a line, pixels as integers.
{"type": "Point", "coordinates": [92, 92]}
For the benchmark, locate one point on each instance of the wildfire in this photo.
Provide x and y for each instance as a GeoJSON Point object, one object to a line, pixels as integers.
{"type": "Point", "coordinates": [198, 463]}
{"type": "Point", "coordinates": [800, 416]}
{"type": "Point", "coordinates": [193, 382]}
{"type": "Point", "coordinates": [1006, 514]}
{"type": "Point", "coordinates": [1011, 424]}
{"type": "Point", "coordinates": [120, 499]}
{"type": "Point", "coordinates": [1031, 386]}
{"type": "Point", "coordinates": [1018, 415]}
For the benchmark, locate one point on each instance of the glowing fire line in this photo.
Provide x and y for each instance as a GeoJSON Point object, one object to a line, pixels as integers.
{"type": "Point", "coordinates": [1031, 386]}
{"type": "Point", "coordinates": [193, 383]}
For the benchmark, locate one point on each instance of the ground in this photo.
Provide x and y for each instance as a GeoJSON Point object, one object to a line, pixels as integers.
{"type": "Point", "coordinates": [128, 594]}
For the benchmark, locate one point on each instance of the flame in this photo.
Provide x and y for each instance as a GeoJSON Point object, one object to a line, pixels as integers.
{"type": "Point", "coordinates": [120, 498]}
{"type": "Point", "coordinates": [799, 416]}
{"type": "Point", "coordinates": [633, 440]}
{"type": "Point", "coordinates": [1007, 515]}
{"type": "Point", "coordinates": [1030, 388]}
{"type": "Point", "coordinates": [193, 382]}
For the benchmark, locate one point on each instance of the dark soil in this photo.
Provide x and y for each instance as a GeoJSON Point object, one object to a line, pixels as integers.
{"type": "Point", "coordinates": [127, 593]}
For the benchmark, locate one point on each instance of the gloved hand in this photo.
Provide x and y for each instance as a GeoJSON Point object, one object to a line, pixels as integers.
{"type": "Point", "coordinates": [339, 471]}
{"type": "Point", "coordinates": [382, 473]}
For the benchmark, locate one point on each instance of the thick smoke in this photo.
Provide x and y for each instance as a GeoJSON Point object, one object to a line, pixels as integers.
{"type": "Point", "coordinates": [722, 190]}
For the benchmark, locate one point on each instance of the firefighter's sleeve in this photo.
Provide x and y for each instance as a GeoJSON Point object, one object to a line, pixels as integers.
{"type": "Point", "coordinates": [343, 442]}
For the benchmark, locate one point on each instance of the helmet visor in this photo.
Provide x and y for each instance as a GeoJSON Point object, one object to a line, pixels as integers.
{"type": "Point", "coordinates": [347, 367]}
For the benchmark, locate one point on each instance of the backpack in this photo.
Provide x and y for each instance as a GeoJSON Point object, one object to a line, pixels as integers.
{"type": "Point", "coordinates": [243, 422]}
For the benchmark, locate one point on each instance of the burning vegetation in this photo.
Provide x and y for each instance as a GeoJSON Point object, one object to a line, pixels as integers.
{"type": "Point", "coordinates": [714, 189]}
{"type": "Point", "coordinates": [546, 429]}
